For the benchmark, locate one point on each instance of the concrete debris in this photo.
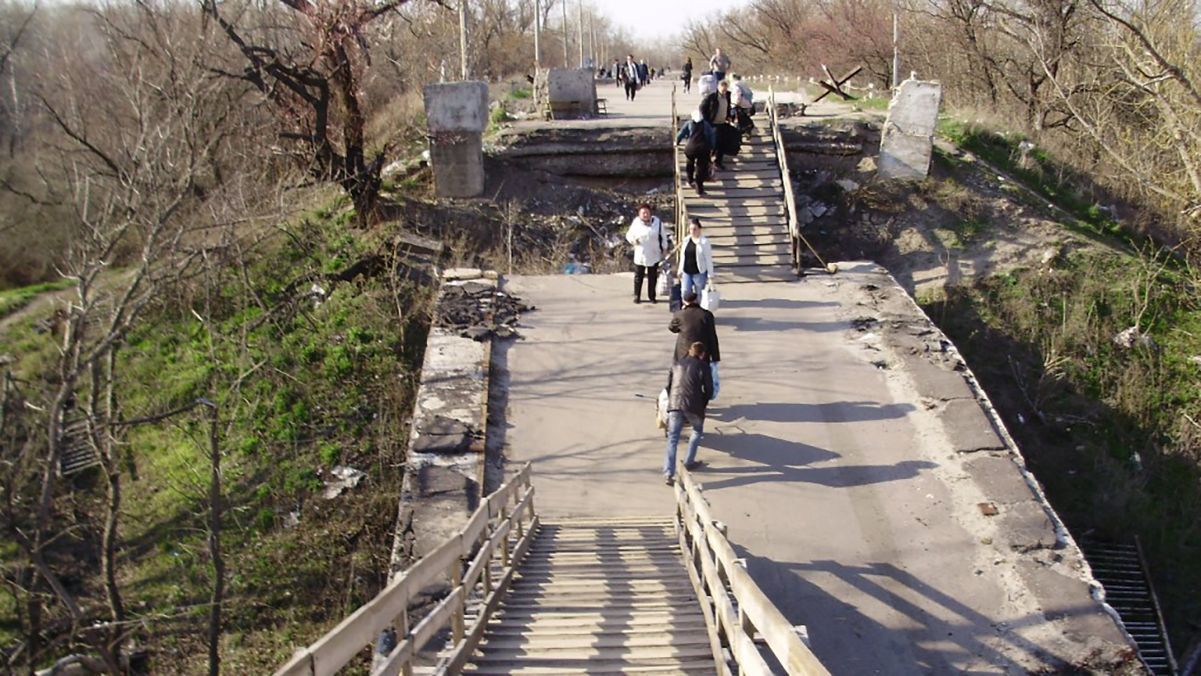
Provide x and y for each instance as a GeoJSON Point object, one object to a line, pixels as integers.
{"type": "Point", "coordinates": [1133, 336]}
{"type": "Point", "coordinates": [847, 185]}
{"type": "Point", "coordinates": [818, 209]}
{"type": "Point", "coordinates": [477, 310]}
{"type": "Point", "coordinates": [343, 477]}
{"type": "Point", "coordinates": [908, 138]}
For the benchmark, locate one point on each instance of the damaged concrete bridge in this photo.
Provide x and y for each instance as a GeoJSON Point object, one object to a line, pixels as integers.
{"type": "Point", "coordinates": [862, 509]}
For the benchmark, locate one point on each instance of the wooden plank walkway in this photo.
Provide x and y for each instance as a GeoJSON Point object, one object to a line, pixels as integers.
{"type": "Point", "coordinates": [599, 596]}
{"type": "Point", "coordinates": [745, 216]}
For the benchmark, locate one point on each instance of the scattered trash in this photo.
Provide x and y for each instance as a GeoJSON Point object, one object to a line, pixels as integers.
{"type": "Point", "coordinates": [1131, 337]}
{"type": "Point", "coordinates": [292, 519]}
{"type": "Point", "coordinates": [847, 185]}
{"type": "Point", "coordinates": [988, 509]}
{"type": "Point", "coordinates": [343, 478]}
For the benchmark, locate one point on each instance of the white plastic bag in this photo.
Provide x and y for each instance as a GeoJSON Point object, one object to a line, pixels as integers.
{"type": "Point", "coordinates": [663, 288]}
{"type": "Point", "coordinates": [716, 379]}
{"type": "Point", "coordinates": [661, 410]}
{"type": "Point", "coordinates": [710, 298]}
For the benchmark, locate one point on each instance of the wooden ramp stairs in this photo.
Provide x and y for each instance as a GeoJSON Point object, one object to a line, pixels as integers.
{"type": "Point", "coordinates": [745, 212]}
{"type": "Point", "coordinates": [598, 596]}
{"type": "Point", "coordinates": [517, 595]}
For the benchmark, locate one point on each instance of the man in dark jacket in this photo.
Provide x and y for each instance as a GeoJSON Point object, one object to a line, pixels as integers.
{"type": "Point", "coordinates": [694, 324]}
{"type": "Point", "coordinates": [689, 389]}
{"type": "Point", "coordinates": [718, 110]}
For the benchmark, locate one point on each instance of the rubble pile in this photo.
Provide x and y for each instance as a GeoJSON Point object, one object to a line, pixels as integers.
{"type": "Point", "coordinates": [478, 310]}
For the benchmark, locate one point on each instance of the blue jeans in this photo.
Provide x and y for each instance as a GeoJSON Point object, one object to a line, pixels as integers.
{"type": "Point", "coordinates": [675, 425]}
{"type": "Point", "coordinates": [691, 282]}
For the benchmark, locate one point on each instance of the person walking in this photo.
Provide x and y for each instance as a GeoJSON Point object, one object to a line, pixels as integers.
{"type": "Point", "coordinates": [700, 139]}
{"type": "Point", "coordinates": [744, 104]}
{"type": "Point", "coordinates": [696, 260]}
{"type": "Point", "coordinates": [650, 244]}
{"type": "Point", "coordinates": [718, 111]}
{"type": "Point", "coordinates": [719, 63]}
{"type": "Point", "coordinates": [644, 73]}
{"type": "Point", "coordinates": [694, 324]}
{"type": "Point", "coordinates": [687, 76]}
{"type": "Point", "coordinates": [689, 389]}
{"type": "Point", "coordinates": [629, 73]}
{"type": "Point", "coordinates": [616, 73]}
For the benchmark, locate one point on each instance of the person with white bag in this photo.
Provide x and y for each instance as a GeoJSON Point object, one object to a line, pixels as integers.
{"type": "Point", "coordinates": [650, 243]}
{"type": "Point", "coordinates": [696, 260]}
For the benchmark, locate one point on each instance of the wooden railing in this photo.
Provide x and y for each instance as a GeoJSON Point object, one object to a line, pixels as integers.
{"type": "Point", "coordinates": [794, 224]}
{"type": "Point", "coordinates": [736, 609]}
{"type": "Point", "coordinates": [504, 521]}
{"type": "Point", "coordinates": [681, 212]}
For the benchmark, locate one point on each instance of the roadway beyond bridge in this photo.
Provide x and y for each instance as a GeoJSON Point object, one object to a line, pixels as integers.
{"type": "Point", "coordinates": [873, 494]}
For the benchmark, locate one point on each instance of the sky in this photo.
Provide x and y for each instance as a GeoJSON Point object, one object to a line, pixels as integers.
{"type": "Point", "coordinates": [657, 18]}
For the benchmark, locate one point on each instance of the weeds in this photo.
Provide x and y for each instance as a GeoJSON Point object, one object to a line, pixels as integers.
{"type": "Point", "coordinates": [1108, 430]}
{"type": "Point", "coordinates": [1037, 170]}
{"type": "Point", "coordinates": [13, 300]}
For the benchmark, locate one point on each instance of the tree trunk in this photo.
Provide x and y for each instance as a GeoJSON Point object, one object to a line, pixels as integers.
{"type": "Point", "coordinates": [215, 543]}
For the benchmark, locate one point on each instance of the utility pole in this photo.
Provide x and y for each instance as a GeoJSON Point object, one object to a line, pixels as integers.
{"type": "Point", "coordinates": [566, 58]}
{"type": "Point", "coordinates": [592, 38]}
{"type": "Point", "coordinates": [537, 34]}
{"type": "Point", "coordinates": [896, 51]}
{"type": "Point", "coordinates": [579, 26]}
{"type": "Point", "coordinates": [463, 39]}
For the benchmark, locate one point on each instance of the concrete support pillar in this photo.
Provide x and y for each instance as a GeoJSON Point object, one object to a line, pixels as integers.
{"type": "Point", "coordinates": [908, 139]}
{"type": "Point", "coordinates": [457, 114]}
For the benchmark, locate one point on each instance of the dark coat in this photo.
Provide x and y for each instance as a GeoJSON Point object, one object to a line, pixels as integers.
{"type": "Point", "coordinates": [709, 106]}
{"type": "Point", "coordinates": [689, 386]}
{"type": "Point", "coordinates": [694, 324]}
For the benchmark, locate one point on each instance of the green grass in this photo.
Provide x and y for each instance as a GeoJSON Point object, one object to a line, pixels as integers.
{"type": "Point", "coordinates": [1081, 408]}
{"type": "Point", "coordinates": [520, 93]}
{"type": "Point", "coordinates": [1041, 173]}
{"type": "Point", "coordinates": [874, 103]}
{"type": "Point", "coordinates": [320, 384]}
{"type": "Point", "coordinates": [12, 300]}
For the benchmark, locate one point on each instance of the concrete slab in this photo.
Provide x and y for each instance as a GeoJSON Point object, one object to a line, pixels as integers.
{"type": "Point", "coordinates": [838, 482]}
{"type": "Point", "coordinates": [969, 429]}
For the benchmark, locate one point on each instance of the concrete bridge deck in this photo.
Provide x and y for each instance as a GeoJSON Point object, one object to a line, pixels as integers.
{"type": "Point", "coordinates": [866, 485]}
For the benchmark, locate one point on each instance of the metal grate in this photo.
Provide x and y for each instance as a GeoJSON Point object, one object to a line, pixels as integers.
{"type": "Point", "coordinates": [1122, 571]}
{"type": "Point", "coordinates": [77, 454]}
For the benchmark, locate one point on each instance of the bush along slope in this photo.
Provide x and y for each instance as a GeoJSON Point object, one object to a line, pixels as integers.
{"type": "Point", "coordinates": [310, 349]}
{"type": "Point", "coordinates": [1094, 365]}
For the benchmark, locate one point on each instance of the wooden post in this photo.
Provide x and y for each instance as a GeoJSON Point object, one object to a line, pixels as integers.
{"type": "Point", "coordinates": [402, 632]}
{"type": "Point", "coordinates": [504, 543]}
{"type": "Point", "coordinates": [457, 618]}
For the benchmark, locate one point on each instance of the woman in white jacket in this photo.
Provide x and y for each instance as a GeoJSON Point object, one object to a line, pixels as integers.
{"type": "Point", "coordinates": [650, 243]}
{"type": "Point", "coordinates": [696, 260]}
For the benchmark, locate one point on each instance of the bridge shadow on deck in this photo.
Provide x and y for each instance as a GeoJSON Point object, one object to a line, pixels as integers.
{"type": "Point", "coordinates": [922, 643]}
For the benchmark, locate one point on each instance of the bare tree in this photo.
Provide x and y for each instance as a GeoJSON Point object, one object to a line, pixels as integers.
{"type": "Point", "coordinates": [313, 73]}
{"type": "Point", "coordinates": [138, 145]}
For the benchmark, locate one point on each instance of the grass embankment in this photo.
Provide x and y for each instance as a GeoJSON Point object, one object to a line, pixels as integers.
{"type": "Point", "coordinates": [1113, 433]}
{"type": "Point", "coordinates": [12, 300]}
{"type": "Point", "coordinates": [1038, 171]}
{"type": "Point", "coordinates": [304, 381]}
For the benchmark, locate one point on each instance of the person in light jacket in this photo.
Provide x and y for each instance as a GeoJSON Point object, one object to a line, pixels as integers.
{"type": "Point", "coordinates": [650, 244]}
{"type": "Point", "coordinates": [696, 260]}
